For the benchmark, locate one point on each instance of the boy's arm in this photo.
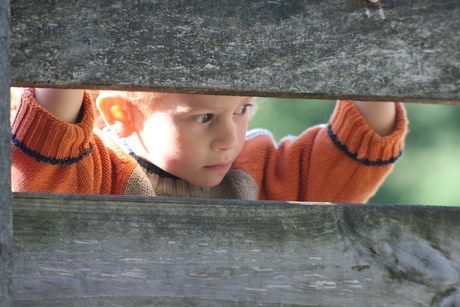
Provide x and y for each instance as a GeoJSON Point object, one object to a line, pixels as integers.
{"type": "Point", "coordinates": [344, 161]}
{"type": "Point", "coordinates": [64, 104]}
{"type": "Point", "coordinates": [354, 153]}
{"type": "Point", "coordinates": [381, 116]}
{"type": "Point", "coordinates": [51, 155]}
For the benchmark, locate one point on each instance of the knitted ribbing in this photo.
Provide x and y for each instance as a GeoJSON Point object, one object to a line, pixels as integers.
{"type": "Point", "coordinates": [49, 137]}
{"type": "Point", "coordinates": [352, 133]}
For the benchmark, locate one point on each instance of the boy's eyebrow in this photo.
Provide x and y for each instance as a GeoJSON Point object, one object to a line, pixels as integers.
{"type": "Point", "coordinates": [181, 109]}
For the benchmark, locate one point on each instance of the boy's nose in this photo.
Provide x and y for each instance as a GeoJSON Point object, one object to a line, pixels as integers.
{"type": "Point", "coordinates": [226, 137]}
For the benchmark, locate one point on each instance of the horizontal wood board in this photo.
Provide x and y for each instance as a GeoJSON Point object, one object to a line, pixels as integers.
{"type": "Point", "coordinates": [393, 50]}
{"type": "Point", "coordinates": [6, 228]}
{"type": "Point", "coordinates": [74, 250]}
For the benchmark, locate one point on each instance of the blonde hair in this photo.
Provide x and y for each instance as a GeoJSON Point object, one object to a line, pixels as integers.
{"type": "Point", "coordinates": [142, 100]}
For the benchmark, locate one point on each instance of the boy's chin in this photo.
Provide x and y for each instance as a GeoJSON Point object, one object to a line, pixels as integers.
{"type": "Point", "coordinates": [206, 183]}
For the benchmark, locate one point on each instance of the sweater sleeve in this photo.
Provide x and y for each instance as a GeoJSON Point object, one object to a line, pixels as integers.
{"type": "Point", "coordinates": [52, 156]}
{"type": "Point", "coordinates": [343, 161]}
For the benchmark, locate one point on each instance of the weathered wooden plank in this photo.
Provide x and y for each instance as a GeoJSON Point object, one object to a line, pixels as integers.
{"type": "Point", "coordinates": [393, 50]}
{"type": "Point", "coordinates": [73, 250]}
{"type": "Point", "coordinates": [6, 234]}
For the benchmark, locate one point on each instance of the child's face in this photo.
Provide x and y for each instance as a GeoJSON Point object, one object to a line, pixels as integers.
{"type": "Point", "coordinates": [196, 137]}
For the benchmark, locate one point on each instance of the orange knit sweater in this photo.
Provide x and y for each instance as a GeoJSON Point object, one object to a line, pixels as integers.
{"type": "Point", "coordinates": [343, 161]}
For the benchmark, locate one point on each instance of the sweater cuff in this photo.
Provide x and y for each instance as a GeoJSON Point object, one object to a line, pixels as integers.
{"type": "Point", "coordinates": [39, 134]}
{"type": "Point", "coordinates": [350, 132]}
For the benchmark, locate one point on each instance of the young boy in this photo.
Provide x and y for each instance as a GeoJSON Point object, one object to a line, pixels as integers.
{"type": "Point", "coordinates": [189, 145]}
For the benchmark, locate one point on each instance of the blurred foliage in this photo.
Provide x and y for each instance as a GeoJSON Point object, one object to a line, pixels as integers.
{"type": "Point", "coordinates": [428, 173]}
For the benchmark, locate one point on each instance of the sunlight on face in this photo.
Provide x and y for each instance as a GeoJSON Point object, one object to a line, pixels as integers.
{"type": "Point", "coordinates": [196, 137]}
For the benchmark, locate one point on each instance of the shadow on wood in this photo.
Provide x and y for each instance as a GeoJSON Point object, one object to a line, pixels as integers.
{"type": "Point", "coordinates": [83, 250]}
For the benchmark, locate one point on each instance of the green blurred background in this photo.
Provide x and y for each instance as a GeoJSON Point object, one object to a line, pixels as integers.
{"type": "Point", "coordinates": [428, 173]}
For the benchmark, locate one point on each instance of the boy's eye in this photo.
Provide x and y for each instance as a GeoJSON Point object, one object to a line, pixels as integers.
{"type": "Point", "coordinates": [204, 118]}
{"type": "Point", "coordinates": [242, 109]}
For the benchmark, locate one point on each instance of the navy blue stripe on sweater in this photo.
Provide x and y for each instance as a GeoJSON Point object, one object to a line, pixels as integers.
{"type": "Point", "coordinates": [354, 156]}
{"type": "Point", "coordinates": [152, 168]}
{"type": "Point", "coordinates": [50, 160]}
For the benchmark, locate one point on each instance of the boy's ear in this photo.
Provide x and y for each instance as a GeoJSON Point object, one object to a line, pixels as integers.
{"type": "Point", "coordinates": [116, 112]}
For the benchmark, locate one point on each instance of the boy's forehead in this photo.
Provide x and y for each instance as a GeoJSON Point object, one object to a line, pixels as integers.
{"type": "Point", "coordinates": [208, 101]}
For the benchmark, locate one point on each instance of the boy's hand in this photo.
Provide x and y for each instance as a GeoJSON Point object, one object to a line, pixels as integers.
{"type": "Point", "coordinates": [62, 103]}
{"type": "Point", "coordinates": [381, 116]}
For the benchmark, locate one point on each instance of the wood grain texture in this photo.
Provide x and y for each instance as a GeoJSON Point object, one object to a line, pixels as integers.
{"type": "Point", "coordinates": [74, 250]}
{"type": "Point", "coordinates": [393, 50]}
{"type": "Point", "coordinates": [6, 234]}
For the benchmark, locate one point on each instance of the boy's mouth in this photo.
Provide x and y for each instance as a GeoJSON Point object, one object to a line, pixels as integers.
{"type": "Point", "coordinates": [219, 167]}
